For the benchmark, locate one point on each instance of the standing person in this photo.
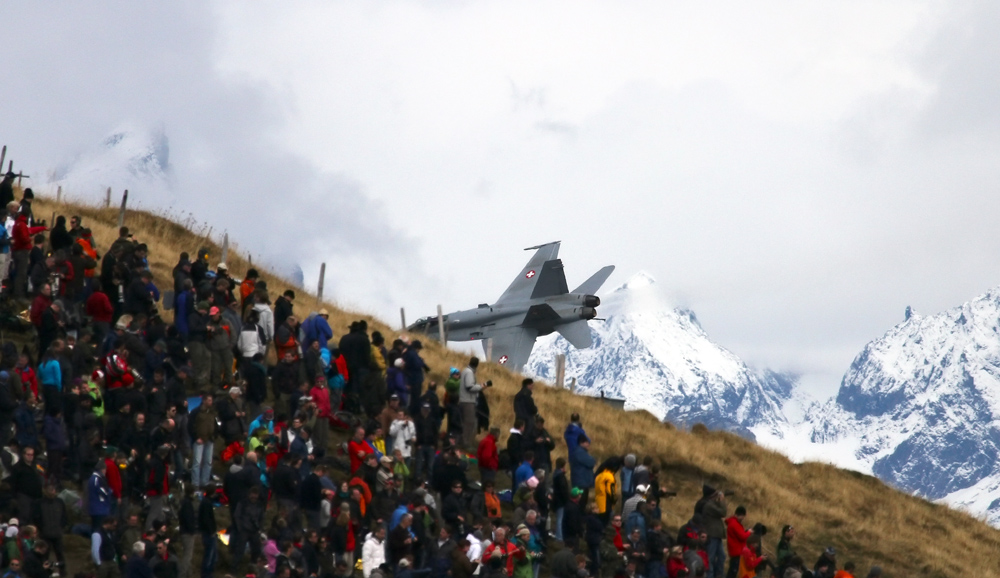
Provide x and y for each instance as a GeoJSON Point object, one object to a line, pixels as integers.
{"type": "Point", "coordinates": [736, 539]}
{"type": "Point", "coordinates": [21, 245]}
{"type": "Point", "coordinates": [582, 467]}
{"type": "Point", "coordinates": [158, 485]}
{"type": "Point", "coordinates": [414, 371]}
{"type": "Point", "coordinates": [560, 496]}
{"type": "Point", "coordinates": [248, 519]}
{"type": "Point", "coordinates": [468, 395]}
{"type": "Point", "coordinates": [524, 404]}
{"type": "Point", "coordinates": [574, 433]}
{"type": "Point", "coordinates": [99, 495]}
{"type": "Point", "coordinates": [427, 440]}
{"type": "Point", "coordinates": [713, 522]}
{"type": "Point", "coordinates": [201, 357]}
{"type": "Point", "coordinates": [102, 549]}
{"type": "Point", "coordinates": [202, 425]}
{"type": "Point", "coordinates": [188, 522]}
{"type": "Point", "coordinates": [27, 482]}
{"type": "Point", "coordinates": [284, 307]}
{"type": "Point", "coordinates": [220, 344]}
{"type": "Point", "coordinates": [51, 521]}
{"type": "Point", "coordinates": [207, 528]}
{"type": "Point", "coordinates": [488, 456]}
{"type": "Point", "coordinates": [606, 488]}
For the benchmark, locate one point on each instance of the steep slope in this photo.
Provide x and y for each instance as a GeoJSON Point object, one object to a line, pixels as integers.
{"type": "Point", "coordinates": [909, 535]}
{"type": "Point", "coordinates": [920, 406]}
{"type": "Point", "coordinates": [659, 359]}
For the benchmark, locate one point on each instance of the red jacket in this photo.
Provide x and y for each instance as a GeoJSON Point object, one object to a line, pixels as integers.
{"type": "Point", "coordinates": [749, 560]}
{"type": "Point", "coordinates": [23, 233]}
{"type": "Point", "coordinates": [736, 537]}
{"type": "Point", "coordinates": [487, 455]}
{"type": "Point", "coordinates": [114, 477]}
{"type": "Point", "coordinates": [353, 448]}
{"type": "Point", "coordinates": [674, 566]}
{"type": "Point", "coordinates": [321, 395]}
{"type": "Point", "coordinates": [99, 307]}
{"type": "Point", "coordinates": [38, 306]}
{"type": "Point", "coordinates": [28, 379]}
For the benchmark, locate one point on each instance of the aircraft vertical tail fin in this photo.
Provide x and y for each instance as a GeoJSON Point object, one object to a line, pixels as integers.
{"type": "Point", "coordinates": [592, 285]}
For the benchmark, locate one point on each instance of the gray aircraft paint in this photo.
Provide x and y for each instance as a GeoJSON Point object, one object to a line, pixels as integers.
{"type": "Point", "coordinates": [536, 303]}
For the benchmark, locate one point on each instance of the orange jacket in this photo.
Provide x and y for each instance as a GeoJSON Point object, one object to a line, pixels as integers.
{"type": "Point", "coordinates": [90, 252]}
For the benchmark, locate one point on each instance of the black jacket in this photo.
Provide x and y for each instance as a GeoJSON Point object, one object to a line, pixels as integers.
{"type": "Point", "coordinates": [285, 482]}
{"type": "Point", "coordinates": [206, 516]}
{"type": "Point", "coordinates": [524, 404]}
{"type": "Point", "coordinates": [560, 490]}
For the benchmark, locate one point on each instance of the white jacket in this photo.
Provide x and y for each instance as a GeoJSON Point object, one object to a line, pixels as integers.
{"type": "Point", "coordinates": [266, 320]}
{"type": "Point", "coordinates": [372, 554]}
{"type": "Point", "coordinates": [250, 342]}
{"type": "Point", "coordinates": [402, 431]}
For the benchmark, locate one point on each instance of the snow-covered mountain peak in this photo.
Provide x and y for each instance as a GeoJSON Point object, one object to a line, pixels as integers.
{"type": "Point", "coordinates": [659, 359]}
{"type": "Point", "coordinates": [639, 280]}
{"type": "Point", "coordinates": [130, 157]}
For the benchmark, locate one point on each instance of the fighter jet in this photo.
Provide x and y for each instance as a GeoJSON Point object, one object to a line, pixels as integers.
{"type": "Point", "coordinates": [537, 303]}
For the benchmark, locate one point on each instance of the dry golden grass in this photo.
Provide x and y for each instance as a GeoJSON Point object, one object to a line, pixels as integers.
{"type": "Point", "coordinates": [866, 521]}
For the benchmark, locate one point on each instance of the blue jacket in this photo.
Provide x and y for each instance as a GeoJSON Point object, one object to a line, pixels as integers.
{"type": "Point", "coordinates": [50, 373]}
{"type": "Point", "coordinates": [315, 328]}
{"type": "Point", "coordinates": [99, 495]}
{"type": "Point", "coordinates": [27, 433]}
{"type": "Point", "coordinates": [258, 423]}
{"type": "Point", "coordinates": [397, 515]}
{"type": "Point", "coordinates": [55, 434]}
{"type": "Point", "coordinates": [414, 369]}
{"type": "Point", "coordinates": [635, 520]}
{"type": "Point", "coordinates": [582, 468]}
{"type": "Point", "coordinates": [184, 303]}
{"type": "Point", "coordinates": [572, 436]}
{"type": "Point", "coordinates": [522, 473]}
{"type": "Point", "coordinates": [395, 382]}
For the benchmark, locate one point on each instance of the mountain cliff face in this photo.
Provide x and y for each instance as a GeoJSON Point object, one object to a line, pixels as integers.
{"type": "Point", "coordinates": [659, 359]}
{"type": "Point", "coordinates": [921, 406]}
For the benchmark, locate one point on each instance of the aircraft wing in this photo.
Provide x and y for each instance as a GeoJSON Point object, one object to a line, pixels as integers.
{"type": "Point", "coordinates": [524, 285]}
{"type": "Point", "coordinates": [512, 346]}
{"type": "Point", "coordinates": [577, 333]}
{"type": "Point", "coordinates": [590, 286]}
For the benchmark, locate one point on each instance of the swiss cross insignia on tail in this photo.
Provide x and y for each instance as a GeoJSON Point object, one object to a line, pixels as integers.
{"type": "Point", "coordinates": [530, 274]}
{"type": "Point", "coordinates": [503, 359]}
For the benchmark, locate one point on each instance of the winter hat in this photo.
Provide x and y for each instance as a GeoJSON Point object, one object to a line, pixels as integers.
{"type": "Point", "coordinates": [202, 305]}
{"type": "Point", "coordinates": [235, 390]}
{"type": "Point", "coordinates": [453, 371]}
{"type": "Point", "coordinates": [707, 491]}
{"type": "Point", "coordinates": [532, 482]}
{"type": "Point", "coordinates": [213, 311]}
{"type": "Point", "coordinates": [13, 522]}
{"type": "Point", "coordinates": [576, 492]}
{"type": "Point", "coordinates": [630, 461]}
{"type": "Point", "coordinates": [398, 362]}
{"type": "Point", "coordinates": [404, 563]}
{"type": "Point", "coordinates": [875, 572]}
{"type": "Point", "coordinates": [641, 489]}
{"type": "Point", "coordinates": [523, 530]}
{"type": "Point", "coordinates": [830, 552]}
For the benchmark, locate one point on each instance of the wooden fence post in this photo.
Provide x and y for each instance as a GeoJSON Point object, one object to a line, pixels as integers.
{"type": "Point", "coordinates": [560, 370]}
{"type": "Point", "coordinates": [3, 155]}
{"type": "Point", "coordinates": [107, 199]}
{"type": "Point", "coordinates": [225, 248]}
{"type": "Point", "coordinates": [402, 318]}
{"type": "Point", "coordinates": [322, 278]}
{"type": "Point", "coordinates": [121, 212]}
{"type": "Point", "coordinates": [441, 334]}
{"type": "Point", "coordinates": [59, 195]}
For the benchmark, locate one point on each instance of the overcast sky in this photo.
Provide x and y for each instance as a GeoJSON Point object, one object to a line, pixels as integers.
{"type": "Point", "coordinates": [797, 173]}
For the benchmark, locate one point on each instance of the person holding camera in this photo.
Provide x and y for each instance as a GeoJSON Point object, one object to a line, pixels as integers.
{"type": "Point", "coordinates": [468, 395]}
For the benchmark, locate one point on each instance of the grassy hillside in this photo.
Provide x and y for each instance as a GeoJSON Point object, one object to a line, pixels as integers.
{"type": "Point", "coordinates": [865, 520]}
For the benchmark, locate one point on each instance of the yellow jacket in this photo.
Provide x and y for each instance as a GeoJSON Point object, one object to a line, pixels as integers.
{"type": "Point", "coordinates": [605, 490]}
{"type": "Point", "coordinates": [378, 359]}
